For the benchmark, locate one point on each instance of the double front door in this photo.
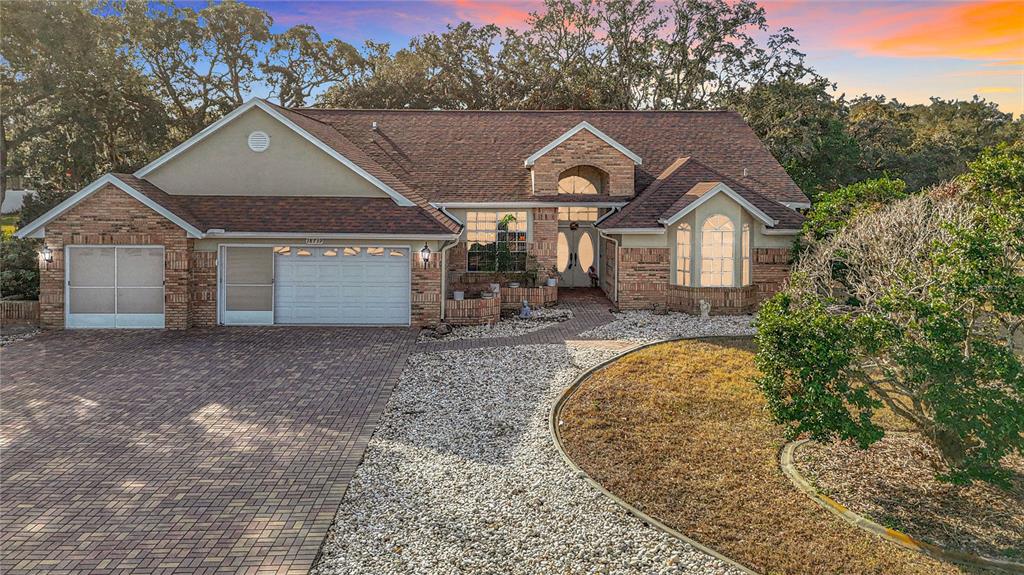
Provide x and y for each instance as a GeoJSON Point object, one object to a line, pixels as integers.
{"type": "Point", "coordinates": [578, 255]}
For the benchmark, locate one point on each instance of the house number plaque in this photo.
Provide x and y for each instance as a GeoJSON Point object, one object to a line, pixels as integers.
{"type": "Point", "coordinates": [314, 241]}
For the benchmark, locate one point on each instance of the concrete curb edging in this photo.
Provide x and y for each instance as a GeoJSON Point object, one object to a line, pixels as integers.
{"type": "Point", "coordinates": [787, 462]}
{"type": "Point", "coordinates": [554, 417]}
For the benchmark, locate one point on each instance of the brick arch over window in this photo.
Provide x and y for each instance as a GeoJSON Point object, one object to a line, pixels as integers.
{"type": "Point", "coordinates": [583, 179]}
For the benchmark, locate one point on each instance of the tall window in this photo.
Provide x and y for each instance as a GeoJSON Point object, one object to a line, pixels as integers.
{"type": "Point", "coordinates": [683, 247]}
{"type": "Point", "coordinates": [582, 180]}
{"type": "Point", "coordinates": [497, 241]}
{"type": "Point", "coordinates": [716, 260]}
{"type": "Point", "coordinates": [745, 244]}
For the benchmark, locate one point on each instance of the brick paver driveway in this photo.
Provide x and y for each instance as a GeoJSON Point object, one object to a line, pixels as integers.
{"type": "Point", "coordinates": [202, 451]}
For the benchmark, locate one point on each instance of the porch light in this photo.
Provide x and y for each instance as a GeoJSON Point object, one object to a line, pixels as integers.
{"type": "Point", "coordinates": [47, 255]}
{"type": "Point", "coordinates": [425, 255]}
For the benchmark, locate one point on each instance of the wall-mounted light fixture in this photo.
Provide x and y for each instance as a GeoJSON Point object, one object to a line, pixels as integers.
{"type": "Point", "coordinates": [425, 255]}
{"type": "Point", "coordinates": [47, 255]}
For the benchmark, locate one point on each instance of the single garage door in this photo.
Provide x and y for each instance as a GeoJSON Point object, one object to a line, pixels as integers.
{"type": "Point", "coordinates": [120, 286]}
{"type": "Point", "coordinates": [362, 285]}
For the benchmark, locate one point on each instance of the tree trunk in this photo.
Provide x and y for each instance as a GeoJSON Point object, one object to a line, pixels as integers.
{"type": "Point", "coordinates": [3, 161]}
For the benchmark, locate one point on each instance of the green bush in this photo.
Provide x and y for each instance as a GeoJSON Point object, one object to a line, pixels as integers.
{"type": "Point", "coordinates": [913, 306]}
{"type": "Point", "coordinates": [19, 267]}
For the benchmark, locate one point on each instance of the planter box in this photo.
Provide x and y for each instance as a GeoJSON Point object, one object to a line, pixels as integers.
{"type": "Point", "coordinates": [723, 300]}
{"type": "Point", "coordinates": [477, 311]}
{"type": "Point", "coordinates": [543, 296]}
{"type": "Point", "coordinates": [19, 312]}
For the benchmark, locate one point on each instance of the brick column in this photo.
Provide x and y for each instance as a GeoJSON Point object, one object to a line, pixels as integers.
{"type": "Point", "coordinates": [202, 289]}
{"type": "Point", "coordinates": [643, 277]}
{"type": "Point", "coordinates": [426, 290]}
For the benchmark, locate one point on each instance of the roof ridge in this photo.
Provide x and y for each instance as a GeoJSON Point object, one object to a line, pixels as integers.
{"type": "Point", "coordinates": [492, 111]}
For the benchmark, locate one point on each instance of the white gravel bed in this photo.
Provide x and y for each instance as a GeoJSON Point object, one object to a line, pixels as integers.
{"type": "Point", "coordinates": [462, 477]}
{"type": "Point", "coordinates": [11, 335]}
{"type": "Point", "coordinates": [507, 327]}
{"type": "Point", "coordinates": [646, 326]}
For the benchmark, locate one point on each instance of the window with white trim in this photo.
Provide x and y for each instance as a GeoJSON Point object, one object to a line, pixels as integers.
{"type": "Point", "coordinates": [683, 247]}
{"type": "Point", "coordinates": [496, 241]}
{"type": "Point", "coordinates": [716, 252]}
{"type": "Point", "coordinates": [745, 245]}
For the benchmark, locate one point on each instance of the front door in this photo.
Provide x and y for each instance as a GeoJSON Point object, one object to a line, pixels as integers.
{"type": "Point", "coordinates": [578, 254]}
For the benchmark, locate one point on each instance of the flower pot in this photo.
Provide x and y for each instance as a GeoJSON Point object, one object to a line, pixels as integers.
{"type": "Point", "coordinates": [486, 295]}
{"type": "Point", "coordinates": [552, 282]}
{"type": "Point", "coordinates": [513, 284]}
{"type": "Point", "coordinates": [459, 295]}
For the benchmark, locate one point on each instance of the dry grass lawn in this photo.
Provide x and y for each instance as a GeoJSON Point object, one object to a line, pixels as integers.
{"type": "Point", "coordinates": [681, 431]}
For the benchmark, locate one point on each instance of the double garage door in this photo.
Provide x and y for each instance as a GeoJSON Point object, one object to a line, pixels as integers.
{"type": "Point", "coordinates": [111, 286]}
{"type": "Point", "coordinates": [346, 285]}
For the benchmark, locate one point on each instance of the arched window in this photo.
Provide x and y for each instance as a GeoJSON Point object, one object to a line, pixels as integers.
{"type": "Point", "coordinates": [716, 253]}
{"type": "Point", "coordinates": [683, 247]}
{"type": "Point", "coordinates": [582, 180]}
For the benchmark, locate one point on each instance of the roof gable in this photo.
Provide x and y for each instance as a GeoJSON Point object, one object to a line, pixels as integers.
{"type": "Point", "coordinates": [584, 125]}
{"type": "Point", "coordinates": [700, 193]}
{"type": "Point", "coordinates": [288, 120]}
{"type": "Point", "coordinates": [35, 228]}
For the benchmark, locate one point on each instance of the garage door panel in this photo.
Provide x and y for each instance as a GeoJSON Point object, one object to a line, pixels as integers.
{"type": "Point", "coordinates": [115, 286]}
{"type": "Point", "coordinates": [91, 267]}
{"type": "Point", "coordinates": [350, 285]}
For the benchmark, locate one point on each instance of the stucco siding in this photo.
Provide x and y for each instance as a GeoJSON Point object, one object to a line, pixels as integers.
{"type": "Point", "coordinates": [223, 164]}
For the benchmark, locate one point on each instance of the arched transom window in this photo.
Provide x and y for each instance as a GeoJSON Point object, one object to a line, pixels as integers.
{"type": "Point", "coordinates": [716, 252]}
{"type": "Point", "coordinates": [582, 180]}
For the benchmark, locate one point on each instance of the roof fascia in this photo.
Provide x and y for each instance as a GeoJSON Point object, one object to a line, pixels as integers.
{"type": "Point", "coordinates": [35, 229]}
{"type": "Point", "coordinates": [572, 132]}
{"type": "Point", "coordinates": [721, 188]}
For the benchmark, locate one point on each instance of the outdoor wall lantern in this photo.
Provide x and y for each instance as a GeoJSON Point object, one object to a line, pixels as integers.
{"type": "Point", "coordinates": [425, 255]}
{"type": "Point", "coordinates": [47, 255]}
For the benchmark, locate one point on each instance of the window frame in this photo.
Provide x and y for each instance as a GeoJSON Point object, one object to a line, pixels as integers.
{"type": "Point", "coordinates": [726, 232]}
{"type": "Point", "coordinates": [520, 244]}
{"type": "Point", "coordinates": [684, 256]}
{"type": "Point", "coordinates": [745, 255]}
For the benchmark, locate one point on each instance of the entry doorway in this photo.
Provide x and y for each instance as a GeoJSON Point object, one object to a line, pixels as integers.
{"type": "Point", "coordinates": [578, 252]}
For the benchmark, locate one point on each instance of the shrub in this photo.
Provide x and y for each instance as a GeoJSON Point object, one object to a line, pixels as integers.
{"type": "Point", "coordinates": [912, 306]}
{"type": "Point", "coordinates": [19, 267]}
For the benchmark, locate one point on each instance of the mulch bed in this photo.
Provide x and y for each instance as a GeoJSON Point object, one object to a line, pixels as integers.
{"type": "Point", "coordinates": [893, 483]}
{"type": "Point", "coordinates": [680, 431]}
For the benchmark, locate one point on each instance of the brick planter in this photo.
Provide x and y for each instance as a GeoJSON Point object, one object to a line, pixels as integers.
{"type": "Point", "coordinates": [473, 311]}
{"type": "Point", "coordinates": [19, 312]}
{"type": "Point", "coordinates": [724, 301]}
{"type": "Point", "coordinates": [542, 296]}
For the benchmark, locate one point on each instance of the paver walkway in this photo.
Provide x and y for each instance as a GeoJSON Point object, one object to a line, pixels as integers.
{"type": "Point", "coordinates": [202, 451]}
{"type": "Point", "coordinates": [590, 309]}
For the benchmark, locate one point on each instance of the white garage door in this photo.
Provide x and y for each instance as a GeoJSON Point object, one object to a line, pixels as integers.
{"type": "Point", "coordinates": [341, 285]}
{"type": "Point", "coordinates": [120, 286]}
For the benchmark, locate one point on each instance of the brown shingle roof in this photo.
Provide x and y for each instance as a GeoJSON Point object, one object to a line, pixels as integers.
{"type": "Point", "coordinates": [453, 156]}
{"type": "Point", "coordinates": [682, 183]}
{"type": "Point", "coordinates": [299, 214]}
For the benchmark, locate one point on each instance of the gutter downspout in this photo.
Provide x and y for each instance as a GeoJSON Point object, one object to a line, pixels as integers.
{"type": "Point", "coordinates": [447, 245]}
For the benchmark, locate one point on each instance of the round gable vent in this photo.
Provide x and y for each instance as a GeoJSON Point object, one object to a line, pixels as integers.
{"type": "Point", "coordinates": [259, 141]}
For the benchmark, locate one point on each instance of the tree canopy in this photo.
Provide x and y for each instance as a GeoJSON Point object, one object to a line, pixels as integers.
{"type": "Point", "coordinates": [98, 85]}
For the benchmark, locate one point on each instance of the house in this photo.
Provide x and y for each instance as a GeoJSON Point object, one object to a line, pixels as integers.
{"type": "Point", "coordinates": [375, 217]}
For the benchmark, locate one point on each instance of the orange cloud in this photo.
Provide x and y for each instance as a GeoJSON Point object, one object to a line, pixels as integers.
{"type": "Point", "coordinates": [974, 30]}
{"type": "Point", "coordinates": [507, 14]}
{"type": "Point", "coordinates": [996, 90]}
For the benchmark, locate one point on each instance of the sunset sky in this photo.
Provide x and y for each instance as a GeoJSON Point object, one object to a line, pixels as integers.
{"type": "Point", "coordinates": [904, 49]}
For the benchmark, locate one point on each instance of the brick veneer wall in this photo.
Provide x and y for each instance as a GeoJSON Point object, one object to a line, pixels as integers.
{"type": "Point", "coordinates": [770, 270]}
{"type": "Point", "coordinates": [477, 311]}
{"type": "Point", "coordinates": [542, 296]}
{"type": "Point", "coordinates": [584, 148]}
{"type": "Point", "coordinates": [724, 301]}
{"type": "Point", "coordinates": [426, 290]}
{"type": "Point", "coordinates": [111, 217]}
{"type": "Point", "coordinates": [643, 277]}
{"type": "Point", "coordinates": [202, 289]}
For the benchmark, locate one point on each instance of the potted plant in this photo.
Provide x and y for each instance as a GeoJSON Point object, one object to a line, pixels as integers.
{"type": "Point", "coordinates": [553, 276]}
